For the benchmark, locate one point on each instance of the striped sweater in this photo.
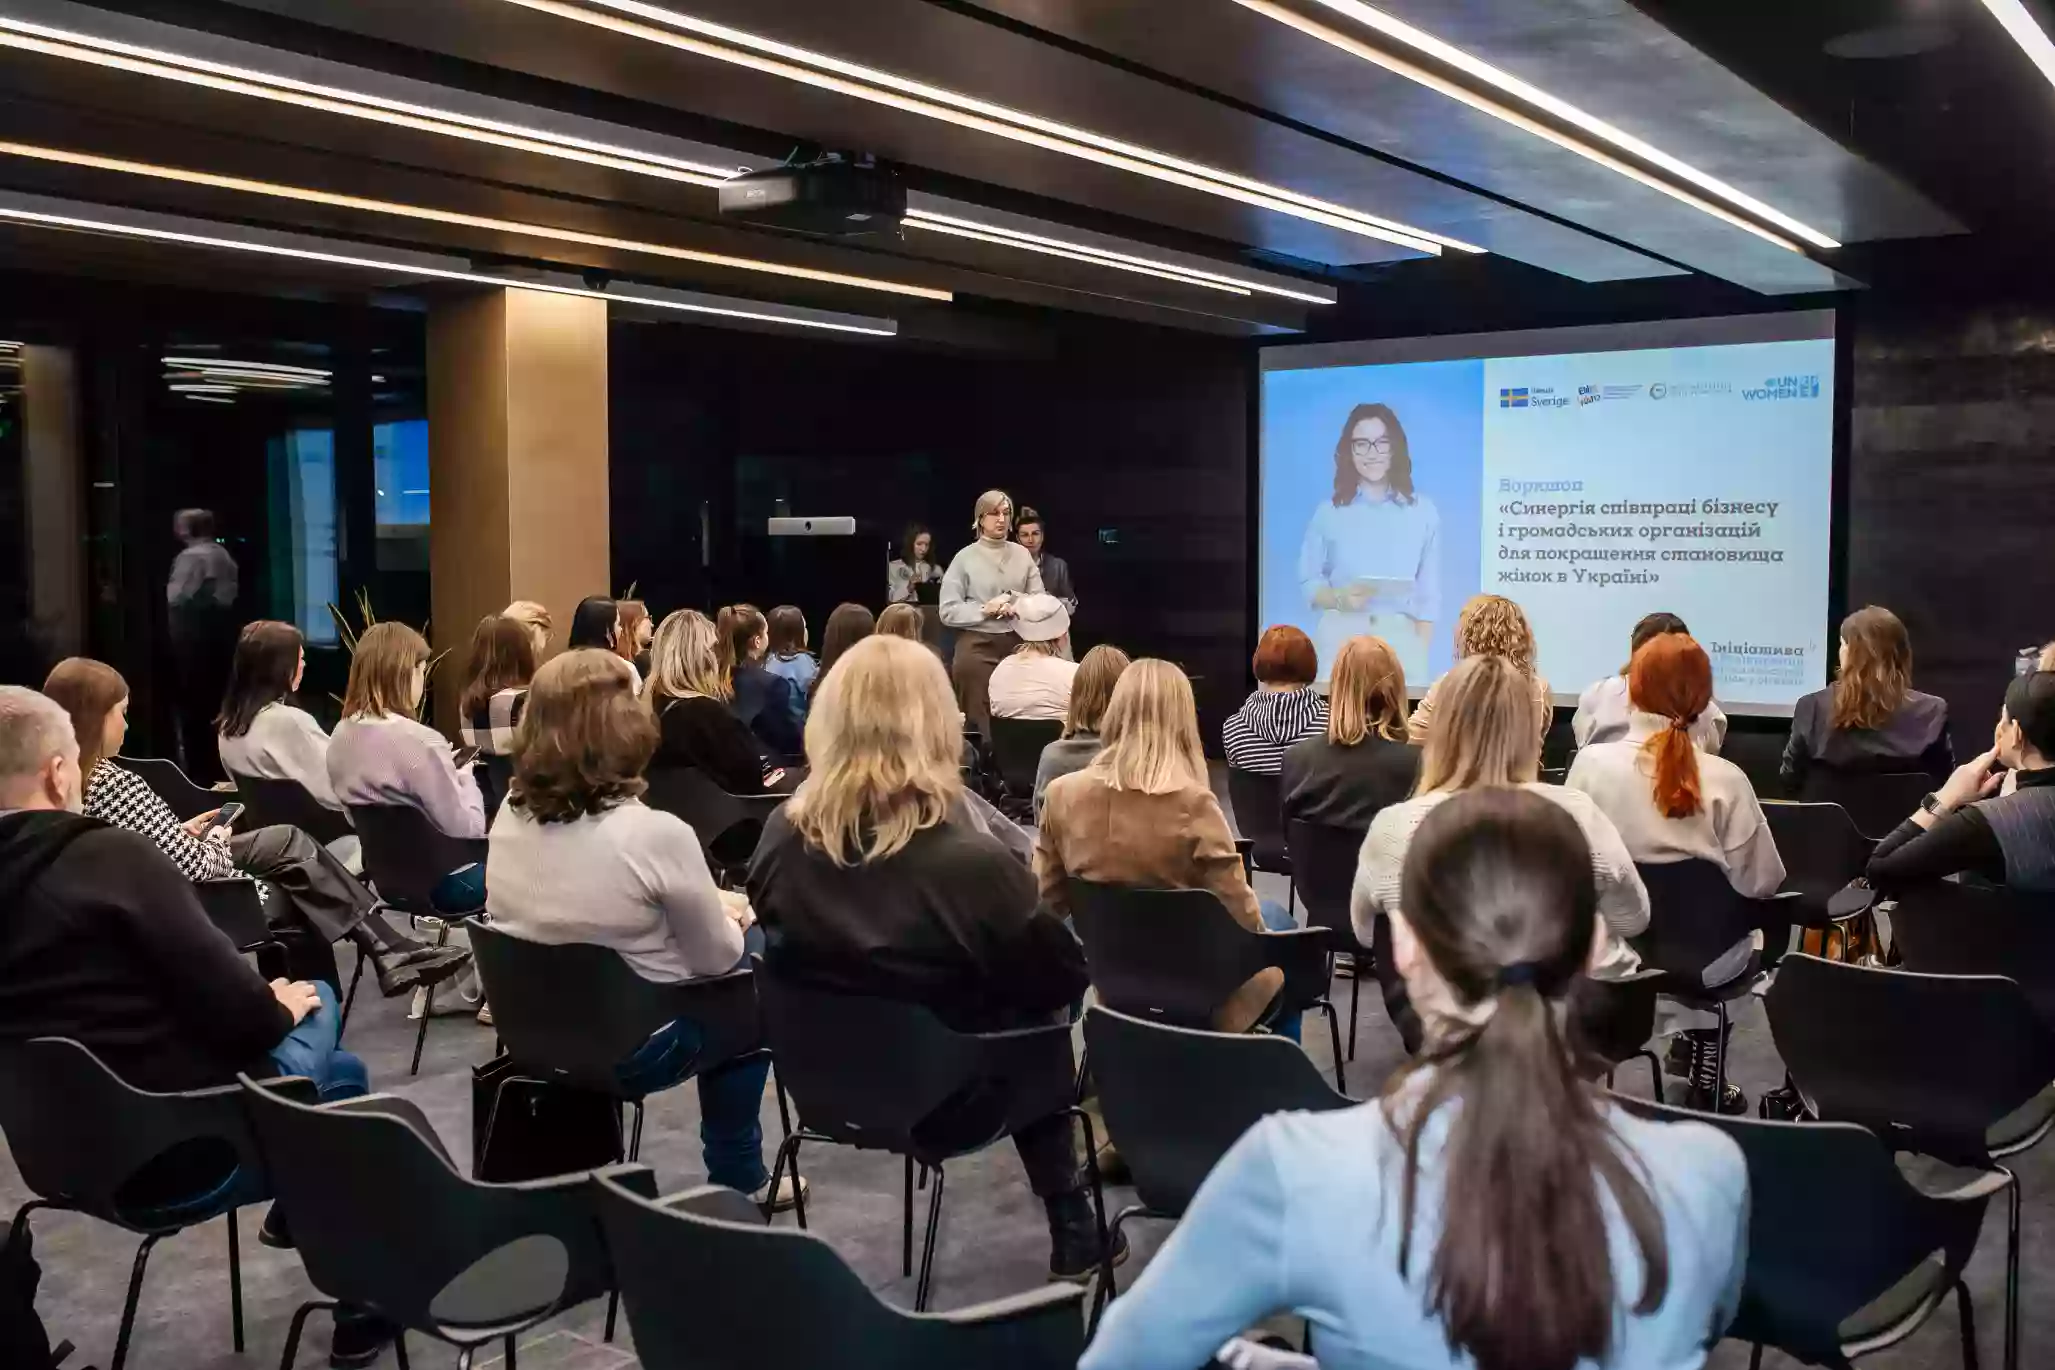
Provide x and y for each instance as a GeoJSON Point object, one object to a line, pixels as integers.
{"type": "Point", "coordinates": [1268, 722]}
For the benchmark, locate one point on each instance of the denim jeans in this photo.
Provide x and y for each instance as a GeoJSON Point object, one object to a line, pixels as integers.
{"type": "Point", "coordinates": [461, 891]}
{"type": "Point", "coordinates": [310, 1049]}
{"type": "Point", "coordinates": [730, 1095]}
{"type": "Point", "coordinates": [1278, 919]}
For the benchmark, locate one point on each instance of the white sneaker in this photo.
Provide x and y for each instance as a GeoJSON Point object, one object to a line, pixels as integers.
{"type": "Point", "coordinates": [788, 1195]}
{"type": "Point", "coordinates": [485, 1015]}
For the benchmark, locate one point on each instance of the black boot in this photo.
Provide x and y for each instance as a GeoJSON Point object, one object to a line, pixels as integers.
{"type": "Point", "coordinates": [401, 963]}
{"type": "Point", "coordinates": [1074, 1237]}
{"type": "Point", "coordinates": [360, 1338]}
{"type": "Point", "coordinates": [1705, 1076]}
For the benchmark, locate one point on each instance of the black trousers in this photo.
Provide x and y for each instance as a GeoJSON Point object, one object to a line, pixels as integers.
{"type": "Point", "coordinates": [1048, 1147]}
{"type": "Point", "coordinates": [317, 891]}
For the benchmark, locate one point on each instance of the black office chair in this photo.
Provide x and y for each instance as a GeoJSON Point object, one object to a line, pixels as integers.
{"type": "Point", "coordinates": [1878, 801]}
{"type": "Point", "coordinates": [575, 1013]}
{"type": "Point", "coordinates": [233, 905]}
{"type": "Point", "coordinates": [1259, 817]}
{"type": "Point", "coordinates": [1823, 851]}
{"type": "Point", "coordinates": [385, 1222]}
{"type": "Point", "coordinates": [727, 825]}
{"type": "Point", "coordinates": [1760, 755]}
{"type": "Point", "coordinates": [1017, 754]}
{"type": "Point", "coordinates": [1845, 1255]}
{"type": "Point", "coordinates": [1945, 927]}
{"type": "Point", "coordinates": [405, 857]}
{"type": "Point", "coordinates": [883, 1075]}
{"type": "Point", "coordinates": [1176, 1099]}
{"type": "Point", "coordinates": [173, 786]}
{"type": "Point", "coordinates": [495, 776]}
{"type": "Point", "coordinates": [695, 1269]}
{"type": "Point", "coordinates": [1175, 956]}
{"type": "Point", "coordinates": [1952, 1066]}
{"type": "Point", "coordinates": [1323, 861]}
{"type": "Point", "coordinates": [152, 1164]}
{"type": "Point", "coordinates": [1612, 1020]}
{"type": "Point", "coordinates": [1695, 918]}
{"type": "Point", "coordinates": [287, 803]}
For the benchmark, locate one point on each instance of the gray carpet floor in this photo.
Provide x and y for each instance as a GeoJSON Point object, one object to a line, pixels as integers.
{"type": "Point", "coordinates": [993, 1238]}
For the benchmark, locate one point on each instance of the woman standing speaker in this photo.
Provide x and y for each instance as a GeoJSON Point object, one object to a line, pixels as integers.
{"type": "Point", "coordinates": [1371, 559]}
{"type": "Point", "coordinates": [978, 591]}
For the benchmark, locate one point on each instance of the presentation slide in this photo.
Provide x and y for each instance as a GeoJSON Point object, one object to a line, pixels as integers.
{"type": "Point", "coordinates": [1592, 475]}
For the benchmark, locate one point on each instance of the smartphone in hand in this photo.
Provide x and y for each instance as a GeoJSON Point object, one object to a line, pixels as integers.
{"type": "Point", "coordinates": [225, 818]}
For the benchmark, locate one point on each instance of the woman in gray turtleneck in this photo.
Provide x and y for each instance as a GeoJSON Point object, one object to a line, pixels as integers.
{"type": "Point", "coordinates": [977, 597]}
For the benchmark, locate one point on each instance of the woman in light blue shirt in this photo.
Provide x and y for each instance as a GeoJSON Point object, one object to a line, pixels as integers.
{"type": "Point", "coordinates": [1371, 559]}
{"type": "Point", "coordinates": [1533, 1226]}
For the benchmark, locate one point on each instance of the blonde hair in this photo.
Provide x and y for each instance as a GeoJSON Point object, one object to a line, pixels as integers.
{"type": "Point", "coordinates": [1492, 625]}
{"type": "Point", "coordinates": [1366, 696]}
{"type": "Point", "coordinates": [1483, 732]}
{"type": "Point", "coordinates": [987, 502]}
{"type": "Point", "coordinates": [884, 741]}
{"type": "Point", "coordinates": [685, 658]}
{"type": "Point", "coordinates": [902, 620]}
{"type": "Point", "coordinates": [1151, 732]}
{"type": "Point", "coordinates": [535, 618]}
{"type": "Point", "coordinates": [1091, 689]}
{"type": "Point", "coordinates": [382, 672]}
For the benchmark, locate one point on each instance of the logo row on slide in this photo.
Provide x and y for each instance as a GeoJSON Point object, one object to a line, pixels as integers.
{"type": "Point", "coordinates": [1546, 397]}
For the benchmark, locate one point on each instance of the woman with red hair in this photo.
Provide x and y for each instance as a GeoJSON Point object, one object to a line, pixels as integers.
{"type": "Point", "coordinates": [1674, 801]}
{"type": "Point", "coordinates": [1284, 707]}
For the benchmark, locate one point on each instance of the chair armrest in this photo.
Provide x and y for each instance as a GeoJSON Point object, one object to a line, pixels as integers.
{"type": "Point", "coordinates": [1032, 1303]}
{"type": "Point", "coordinates": [403, 1110]}
{"type": "Point", "coordinates": [296, 1089]}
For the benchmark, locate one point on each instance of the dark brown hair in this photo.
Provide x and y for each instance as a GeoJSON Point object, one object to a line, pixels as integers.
{"type": "Point", "coordinates": [629, 615]}
{"type": "Point", "coordinates": [1497, 890]}
{"type": "Point", "coordinates": [88, 690]}
{"type": "Point", "coordinates": [267, 653]}
{"type": "Point", "coordinates": [584, 738]}
{"type": "Point", "coordinates": [1879, 671]}
{"type": "Point", "coordinates": [1672, 676]}
{"type": "Point", "coordinates": [740, 625]}
{"type": "Point", "coordinates": [788, 630]}
{"type": "Point", "coordinates": [1651, 625]}
{"type": "Point", "coordinates": [502, 658]}
{"type": "Point", "coordinates": [847, 626]}
{"type": "Point", "coordinates": [1285, 656]}
{"type": "Point", "coordinates": [913, 531]}
{"type": "Point", "coordinates": [1399, 476]}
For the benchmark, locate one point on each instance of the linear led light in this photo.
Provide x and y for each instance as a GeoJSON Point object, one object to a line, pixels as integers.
{"type": "Point", "coordinates": [217, 363]}
{"type": "Point", "coordinates": [1520, 121]}
{"type": "Point", "coordinates": [1399, 31]}
{"type": "Point", "coordinates": [446, 216]}
{"type": "Point", "coordinates": [2032, 38]}
{"type": "Point", "coordinates": [197, 71]}
{"type": "Point", "coordinates": [194, 388]}
{"type": "Point", "coordinates": [688, 33]}
{"type": "Point", "coordinates": [211, 399]}
{"type": "Point", "coordinates": [1062, 247]}
{"type": "Point", "coordinates": [28, 216]}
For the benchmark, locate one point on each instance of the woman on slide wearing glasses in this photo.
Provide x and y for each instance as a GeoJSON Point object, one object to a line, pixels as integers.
{"type": "Point", "coordinates": [1371, 561]}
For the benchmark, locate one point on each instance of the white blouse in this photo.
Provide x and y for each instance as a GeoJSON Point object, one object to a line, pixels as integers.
{"type": "Point", "coordinates": [1604, 712]}
{"type": "Point", "coordinates": [283, 743]}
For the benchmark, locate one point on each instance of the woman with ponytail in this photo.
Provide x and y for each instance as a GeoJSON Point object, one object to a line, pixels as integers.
{"type": "Point", "coordinates": [1674, 801]}
{"type": "Point", "coordinates": [1493, 1210]}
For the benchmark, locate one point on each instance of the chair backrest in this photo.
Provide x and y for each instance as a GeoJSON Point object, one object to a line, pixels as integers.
{"type": "Point", "coordinates": [1832, 1225]}
{"type": "Point", "coordinates": [1694, 915]}
{"type": "Point", "coordinates": [695, 1277]}
{"type": "Point", "coordinates": [79, 1132]}
{"type": "Point", "coordinates": [287, 803]}
{"type": "Point", "coordinates": [1259, 815]}
{"type": "Point", "coordinates": [1177, 1098]}
{"type": "Point", "coordinates": [172, 785]}
{"type": "Point", "coordinates": [1944, 927]}
{"type": "Point", "coordinates": [1613, 1019]}
{"type": "Point", "coordinates": [576, 1012]}
{"type": "Point", "coordinates": [382, 1219]}
{"type": "Point", "coordinates": [234, 906]}
{"type": "Point", "coordinates": [406, 856]}
{"type": "Point", "coordinates": [1324, 872]}
{"type": "Point", "coordinates": [1017, 748]}
{"type": "Point", "coordinates": [1878, 801]}
{"type": "Point", "coordinates": [1821, 846]}
{"type": "Point", "coordinates": [727, 825]}
{"type": "Point", "coordinates": [1170, 956]}
{"type": "Point", "coordinates": [1927, 1062]}
{"type": "Point", "coordinates": [1760, 755]}
{"type": "Point", "coordinates": [495, 776]}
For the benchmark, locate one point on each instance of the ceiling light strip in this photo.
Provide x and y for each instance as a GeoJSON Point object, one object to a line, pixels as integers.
{"type": "Point", "coordinates": [179, 66]}
{"type": "Point", "coordinates": [1420, 240]}
{"type": "Point", "coordinates": [422, 212]}
{"type": "Point", "coordinates": [954, 231]}
{"type": "Point", "coordinates": [2033, 40]}
{"type": "Point", "coordinates": [1400, 31]}
{"type": "Point", "coordinates": [1399, 65]}
{"type": "Point", "coordinates": [230, 362]}
{"type": "Point", "coordinates": [941, 95]}
{"type": "Point", "coordinates": [9, 212]}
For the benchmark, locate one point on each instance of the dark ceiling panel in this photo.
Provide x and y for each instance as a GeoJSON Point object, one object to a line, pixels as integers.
{"type": "Point", "coordinates": [965, 53]}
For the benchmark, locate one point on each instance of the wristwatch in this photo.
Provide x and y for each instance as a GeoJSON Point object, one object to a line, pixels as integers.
{"type": "Point", "coordinates": [1932, 803]}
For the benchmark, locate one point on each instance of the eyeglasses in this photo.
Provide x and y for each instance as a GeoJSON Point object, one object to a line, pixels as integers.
{"type": "Point", "coordinates": [1381, 446]}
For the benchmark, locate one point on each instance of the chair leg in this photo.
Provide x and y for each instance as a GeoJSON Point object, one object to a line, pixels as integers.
{"type": "Point", "coordinates": [1098, 1186]}
{"type": "Point", "coordinates": [421, 1037]}
{"type": "Point", "coordinates": [235, 1278]}
{"type": "Point", "coordinates": [906, 1241]}
{"type": "Point", "coordinates": [343, 1023]}
{"type": "Point", "coordinates": [128, 1308]}
{"type": "Point", "coordinates": [784, 1108]}
{"type": "Point", "coordinates": [1755, 1357]}
{"type": "Point", "coordinates": [613, 1311]}
{"type": "Point", "coordinates": [1720, 1062]}
{"type": "Point", "coordinates": [1355, 1002]}
{"type": "Point", "coordinates": [464, 1358]}
{"type": "Point", "coordinates": [298, 1325]}
{"type": "Point", "coordinates": [511, 1362]}
{"type": "Point", "coordinates": [1104, 1294]}
{"type": "Point", "coordinates": [635, 1137]}
{"type": "Point", "coordinates": [1655, 1074]}
{"type": "Point", "coordinates": [1341, 1079]}
{"type": "Point", "coordinates": [788, 1150]}
{"type": "Point", "coordinates": [1966, 1316]}
{"type": "Point", "coordinates": [2011, 1272]}
{"type": "Point", "coordinates": [927, 1255]}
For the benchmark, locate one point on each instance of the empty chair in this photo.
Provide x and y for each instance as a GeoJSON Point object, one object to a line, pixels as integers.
{"type": "Point", "coordinates": [385, 1222]}
{"type": "Point", "coordinates": [727, 825]}
{"type": "Point", "coordinates": [1259, 816]}
{"type": "Point", "coordinates": [287, 803]}
{"type": "Point", "coordinates": [1944, 927]}
{"type": "Point", "coordinates": [152, 1164]}
{"type": "Point", "coordinates": [695, 1270]}
{"type": "Point", "coordinates": [405, 857]}
{"type": "Point", "coordinates": [1845, 1255]}
{"type": "Point", "coordinates": [1953, 1066]}
{"type": "Point", "coordinates": [1878, 801]}
{"type": "Point", "coordinates": [1323, 861]}
{"type": "Point", "coordinates": [1017, 751]}
{"type": "Point", "coordinates": [186, 799]}
{"type": "Point", "coordinates": [887, 1075]}
{"type": "Point", "coordinates": [1823, 851]}
{"type": "Point", "coordinates": [1176, 956]}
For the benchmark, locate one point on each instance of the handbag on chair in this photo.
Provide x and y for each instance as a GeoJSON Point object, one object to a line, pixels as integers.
{"type": "Point", "coordinates": [525, 1128]}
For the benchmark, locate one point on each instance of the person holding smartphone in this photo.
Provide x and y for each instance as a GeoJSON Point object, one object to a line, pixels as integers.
{"type": "Point", "coordinates": [1370, 563]}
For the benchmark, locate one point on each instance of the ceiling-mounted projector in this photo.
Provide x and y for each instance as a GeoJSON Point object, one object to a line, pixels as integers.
{"type": "Point", "coordinates": [835, 196]}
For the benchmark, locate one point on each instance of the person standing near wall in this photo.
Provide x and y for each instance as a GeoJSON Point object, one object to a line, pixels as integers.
{"type": "Point", "coordinates": [978, 591]}
{"type": "Point", "coordinates": [200, 595]}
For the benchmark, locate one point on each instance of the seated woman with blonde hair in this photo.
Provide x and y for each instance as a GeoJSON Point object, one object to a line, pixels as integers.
{"type": "Point", "coordinates": [688, 693]}
{"type": "Point", "coordinates": [1091, 690]}
{"type": "Point", "coordinates": [1363, 763]}
{"type": "Point", "coordinates": [876, 879]}
{"type": "Point", "coordinates": [1143, 815]}
{"type": "Point", "coordinates": [1490, 625]}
